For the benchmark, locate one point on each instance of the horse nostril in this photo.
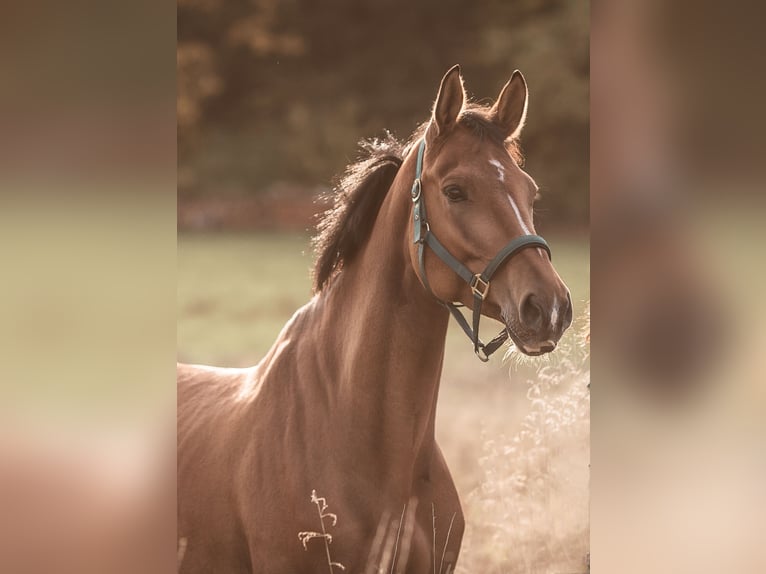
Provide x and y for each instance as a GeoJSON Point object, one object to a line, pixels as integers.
{"type": "Point", "coordinates": [531, 313]}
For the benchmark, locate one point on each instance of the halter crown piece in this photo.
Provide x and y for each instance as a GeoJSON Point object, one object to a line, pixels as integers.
{"type": "Point", "coordinates": [478, 282]}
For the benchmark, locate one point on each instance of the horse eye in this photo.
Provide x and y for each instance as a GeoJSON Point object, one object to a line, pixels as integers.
{"type": "Point", "coordinates": [454, 193]}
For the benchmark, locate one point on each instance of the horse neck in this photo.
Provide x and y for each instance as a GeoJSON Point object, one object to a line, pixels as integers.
{"type": "Point", "coordinates": [389, 336]}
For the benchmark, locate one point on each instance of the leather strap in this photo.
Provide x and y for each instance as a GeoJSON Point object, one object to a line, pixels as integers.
{"type": "Point", "coordinates": [478, 282]}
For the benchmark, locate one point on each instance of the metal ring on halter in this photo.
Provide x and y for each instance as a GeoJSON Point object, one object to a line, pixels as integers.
{"type": "Point", "coordinates": [416, 195]}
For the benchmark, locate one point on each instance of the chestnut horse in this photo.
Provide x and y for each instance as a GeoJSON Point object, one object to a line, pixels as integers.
{"type": "Point", "coordinates": [344, 402]}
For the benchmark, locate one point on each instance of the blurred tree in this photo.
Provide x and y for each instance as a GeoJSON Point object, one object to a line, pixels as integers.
{"type": "Point", "coordinates": [280, 91]}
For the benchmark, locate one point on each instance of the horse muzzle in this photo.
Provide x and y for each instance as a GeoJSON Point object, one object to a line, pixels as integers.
{"type": "Point", "coordinates": [537, 325]}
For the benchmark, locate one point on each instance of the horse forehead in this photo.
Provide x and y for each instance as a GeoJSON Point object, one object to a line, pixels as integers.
{"type": "Point", "coordinates": [507, 174]}
{"type": "Point", "coordinates": [481, 159]}
{"type": "Point", "coordinates": [463, 143]}
{"type": "Point", "coordinates": [473, 154]}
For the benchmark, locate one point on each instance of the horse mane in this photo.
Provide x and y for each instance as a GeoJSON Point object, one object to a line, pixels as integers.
{"type": "Point", "coordinates": [343, 229]}
{"type": "Point", "coordinates": [356, 198]}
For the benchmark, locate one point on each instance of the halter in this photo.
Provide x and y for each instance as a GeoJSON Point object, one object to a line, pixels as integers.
{"type": "Point", "coordinates": [478, 282]}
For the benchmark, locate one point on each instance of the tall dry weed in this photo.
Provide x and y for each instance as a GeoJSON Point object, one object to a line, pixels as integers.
{"type": "Point", "coordinates": [529, 514]}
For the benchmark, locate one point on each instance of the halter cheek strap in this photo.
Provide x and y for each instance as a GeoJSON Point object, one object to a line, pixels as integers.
{"type": "Point", "coordinates": [478, 282]}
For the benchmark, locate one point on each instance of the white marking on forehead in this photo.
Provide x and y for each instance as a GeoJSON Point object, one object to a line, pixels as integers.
{"type": "Point", "coordinates": [523, 225]}
{"type": "Point", "coordinates": [515, 207]}
{"type": "Point", "coordinates": [500, 169]}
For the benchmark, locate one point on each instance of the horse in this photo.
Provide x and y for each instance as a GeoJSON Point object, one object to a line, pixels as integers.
{"type": "Point", "coordinates": [300, 463]}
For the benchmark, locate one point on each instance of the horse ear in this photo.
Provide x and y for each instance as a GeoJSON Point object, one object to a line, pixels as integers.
{"type": "Point", "coordinates": [449, 102]}
{"type": "Point", "coordinates": [510, 109]}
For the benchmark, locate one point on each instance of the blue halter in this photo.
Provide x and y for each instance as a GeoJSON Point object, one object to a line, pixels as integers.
{"type": "Point", "coordinates": [478, 282]}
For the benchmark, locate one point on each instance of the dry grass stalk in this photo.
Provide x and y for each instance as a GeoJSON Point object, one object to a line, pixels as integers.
{"type": "Point", "coordinates": [306, 536]}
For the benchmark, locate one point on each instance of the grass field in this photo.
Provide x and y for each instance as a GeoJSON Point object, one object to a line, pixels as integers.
{"type": "Point", "coordinates": [514, 432]}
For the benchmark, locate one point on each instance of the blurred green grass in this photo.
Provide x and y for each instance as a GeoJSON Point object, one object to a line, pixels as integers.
{"type": "Point", "coordinates": [236, 291]}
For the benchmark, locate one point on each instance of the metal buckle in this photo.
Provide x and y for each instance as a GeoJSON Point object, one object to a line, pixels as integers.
{"type": "Point", "coordinates": [482, 354]}
{"type": "Point", "coordinates": [416, 187]}
{"type": "Point", "coordinates": [479, 286]}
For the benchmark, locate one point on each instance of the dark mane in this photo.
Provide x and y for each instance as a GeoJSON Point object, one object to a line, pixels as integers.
{"type": "Point", "coordinates": [344, 228]}
{"type": "Point", "coordinates": [356, 199]}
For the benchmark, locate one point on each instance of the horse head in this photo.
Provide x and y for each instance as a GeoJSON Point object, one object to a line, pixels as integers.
{"type": "Point", "coordinates": [478, 201]}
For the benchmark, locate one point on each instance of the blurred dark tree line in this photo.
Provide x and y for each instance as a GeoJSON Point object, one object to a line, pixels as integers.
{"type": "Point", "coordinates": [274, 93]}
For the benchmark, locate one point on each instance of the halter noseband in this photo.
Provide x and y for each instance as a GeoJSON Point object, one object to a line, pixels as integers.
{"type": "Point", "coordinates": [478, 282]}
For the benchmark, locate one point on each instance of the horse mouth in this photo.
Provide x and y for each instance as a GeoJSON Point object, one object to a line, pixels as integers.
{"type": "Point", "coordinates": [530, 348]}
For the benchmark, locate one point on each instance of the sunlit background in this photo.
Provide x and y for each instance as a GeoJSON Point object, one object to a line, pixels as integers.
{"type": "Point", "coordinates": [87, 287]}
{"type": "Point", "coordinates": [679, 391]}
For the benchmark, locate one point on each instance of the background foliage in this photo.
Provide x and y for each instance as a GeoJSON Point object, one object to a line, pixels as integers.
{"type": "Point", "coordinates": [273, 96]}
